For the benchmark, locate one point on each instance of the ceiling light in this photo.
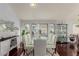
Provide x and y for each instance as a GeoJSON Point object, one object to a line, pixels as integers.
{"type": "Point", "coordinates": [33, 4]}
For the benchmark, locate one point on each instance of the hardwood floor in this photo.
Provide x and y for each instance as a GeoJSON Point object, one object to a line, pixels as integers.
{"type": "Point", "coordinates": [64, 49]}
{"type": "Point", "coordinates": [67, 49]}
{"type": "Point", "coordinates": [16, 52]}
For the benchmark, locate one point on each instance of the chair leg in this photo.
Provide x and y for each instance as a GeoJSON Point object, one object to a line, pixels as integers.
{"type": "Point", "coordinates": [29, 52]}
{"type": "Point", "coordinates": [33, 52]}
{"type": "Point", "coordinates": [24, 52]}
{"type": "Point", "coordinates": [54, 51]}
{"type": "Point", "coordinates": [51, 52]}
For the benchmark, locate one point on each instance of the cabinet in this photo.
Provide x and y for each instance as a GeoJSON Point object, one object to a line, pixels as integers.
{"type": "Point", "coordinates": [5, 47]}
{"type": "Point", "coordinates": [7, 44]}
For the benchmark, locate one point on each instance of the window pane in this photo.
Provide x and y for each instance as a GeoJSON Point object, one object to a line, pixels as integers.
{"type": "Point", "coordinates": [51, 33]}
{"type": "Point", "coordinates": [43, 32]}
{"type": "Point", "coordinates": [35, 31]}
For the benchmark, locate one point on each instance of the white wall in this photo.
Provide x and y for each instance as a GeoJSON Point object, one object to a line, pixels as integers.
{"type": "Point", "coordinates": [6, 13]}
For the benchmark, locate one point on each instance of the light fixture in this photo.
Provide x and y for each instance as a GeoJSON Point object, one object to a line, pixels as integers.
{"type": "Point", "coordinates": [32, 4]}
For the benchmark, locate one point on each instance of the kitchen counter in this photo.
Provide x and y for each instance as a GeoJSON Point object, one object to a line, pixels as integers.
{"type": "Point", "coordinates": [5, 45]}
{"type": "Point", "coordinates": [3, 39]}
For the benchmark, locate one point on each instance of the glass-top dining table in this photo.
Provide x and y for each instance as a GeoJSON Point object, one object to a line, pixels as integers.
{"type": "Point", "coordinates": [49, 47]}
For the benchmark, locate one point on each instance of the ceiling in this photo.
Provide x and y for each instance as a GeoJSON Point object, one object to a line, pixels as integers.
{"type": "Point", "coordinates": [53, 11]}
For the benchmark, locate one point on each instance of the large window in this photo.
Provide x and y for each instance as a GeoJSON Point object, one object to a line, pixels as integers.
{"type": "Point", "coordinates": [39, 31]}
{"type": "Point", "coordinates": [46, 31]}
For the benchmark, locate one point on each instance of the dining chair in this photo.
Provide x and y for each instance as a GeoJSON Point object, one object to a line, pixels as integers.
{"type": "Point", "coordinates": [26, 50]}
{"type": "Point", "coordinates": [53, 47]}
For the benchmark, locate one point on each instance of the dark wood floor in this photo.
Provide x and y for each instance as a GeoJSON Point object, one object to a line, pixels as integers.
{"type": "Point", "coordinates": [67, 50]}
{"type": "Point", "coordinates": [16, 52]}
{"type": "Point", "coordinates": [64, 49]}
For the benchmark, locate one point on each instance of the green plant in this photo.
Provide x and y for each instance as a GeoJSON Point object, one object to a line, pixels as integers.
{"type": "Point", "coordinates": [24, 32]}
